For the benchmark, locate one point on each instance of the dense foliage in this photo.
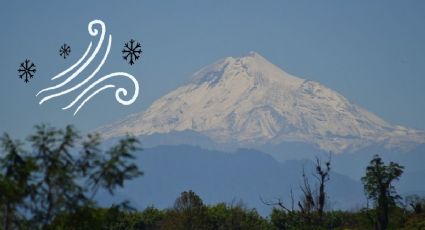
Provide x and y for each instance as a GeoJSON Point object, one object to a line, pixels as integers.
{"type": "Point", "coordinates": [379, 188]}
{"type": "Point", "coordinates": [54, 178]}
{"type": "Point", "coordinates": [189, 212]}
{"type": "Point", "coordinates": [53, 186]}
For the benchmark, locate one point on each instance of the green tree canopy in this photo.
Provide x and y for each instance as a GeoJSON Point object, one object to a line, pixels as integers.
{"type": "Point", "coordinates": [379, 188]}
{"type": "Point", "coordinates": [55, 178]}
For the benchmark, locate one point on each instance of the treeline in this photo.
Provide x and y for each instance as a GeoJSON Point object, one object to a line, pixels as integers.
{"type": "Point", "coordinates": [189, 212]}
{"type": "Point", "coordinates": [54, 184]}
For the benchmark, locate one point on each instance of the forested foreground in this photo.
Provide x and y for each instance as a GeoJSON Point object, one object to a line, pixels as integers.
{"type": "Point", "coordinates": [51, 181]}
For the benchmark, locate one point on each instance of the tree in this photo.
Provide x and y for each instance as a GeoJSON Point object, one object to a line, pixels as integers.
{"type": "Point", "coordinates": [16, 170]}
{"type": "Point", "coordinates": [188, 212]}
{"type": "Point", "coordinates": [56, 187]}
{"type": "Point", "coordinates": [312, 203]}
{"type": "Point", "coordinates": [315, 200]}
{"type": "Point", "coordinates": [322, 176]}
{"type": "Point", "coordinates": [235, 216]}
{"type": "Point", "coordinates": [54, 179]}
{"type": "Point", "coordinates": [417, 203]}
{"type": "Point", "coordinates": [378, 187]}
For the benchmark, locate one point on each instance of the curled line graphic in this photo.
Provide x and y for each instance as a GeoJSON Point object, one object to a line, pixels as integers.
{"type": "Point", "coordinates": [73, 66]}
{"type": "Point", "coordinates": [93, 32]}
{"type": "Point", "coordinates": [117, 92]}
{"type": "Point", "coordinates": [108, 48]}
{"type": "Point", "coordinates": [92, 95]}
{"type": "Point", "coordinates": [65, 72]}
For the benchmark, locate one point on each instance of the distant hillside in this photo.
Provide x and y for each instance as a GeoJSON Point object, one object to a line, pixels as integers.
{"type": "Point", "coordinates": [217, 176]}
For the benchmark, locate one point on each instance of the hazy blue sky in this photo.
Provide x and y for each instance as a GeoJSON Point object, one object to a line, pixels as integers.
{"type": "Point", "coordinates": [372, 52]}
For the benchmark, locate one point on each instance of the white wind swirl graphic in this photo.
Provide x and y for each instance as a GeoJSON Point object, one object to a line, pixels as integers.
{"type": "Point", "coordinates": [79, 99]}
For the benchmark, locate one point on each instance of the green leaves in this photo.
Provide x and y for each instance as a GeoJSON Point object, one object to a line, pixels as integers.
{"type": "Point", "coordinates": [378, 187]}
{"type": "Point", "coordinates": [16, 169]}
{"type": "Point", "coordinates": [378, 179]}
{"type": "Point", "coordinates": [113, 169]}
{"type": "Point", "coordinates": [51, 179]}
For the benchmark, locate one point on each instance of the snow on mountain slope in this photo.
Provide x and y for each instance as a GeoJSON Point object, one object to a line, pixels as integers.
{"type": "Point", "coordinates": [249, 101]}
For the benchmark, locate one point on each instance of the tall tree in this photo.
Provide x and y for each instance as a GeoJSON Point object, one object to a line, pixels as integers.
{"type": "Point", "coordinates": [322, 176]}
{"type": "Point", "coordinates": [16, 169]}
{"type": "Point", "coordinates": [315, 199]}
{"type": "Point", "coordinates": [57, 187]}
{"type": "Point", "coordinates": [54, 178]}
{"type": "Point", "coordinates": [378, 187]}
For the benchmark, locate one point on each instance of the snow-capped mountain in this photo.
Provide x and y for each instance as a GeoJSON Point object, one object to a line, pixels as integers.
{"type": "Point", "coordinates": [249, 101]}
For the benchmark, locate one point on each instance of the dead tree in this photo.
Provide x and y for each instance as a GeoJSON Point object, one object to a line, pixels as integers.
{"type": "Point", "coordinates": [313, 199]}
{"type": "Point", "coordinates": [322, 176]}
{"type": "Point", "coordinates": [307, 203]}
{"type": "Point", "coordinates": [280, 204]}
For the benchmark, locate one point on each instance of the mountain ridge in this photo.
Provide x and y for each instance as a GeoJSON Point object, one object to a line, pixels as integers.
{"type": "Point", "coordinates": [245, 175]}
{"type": "Point", "coordinates": [248, 101]}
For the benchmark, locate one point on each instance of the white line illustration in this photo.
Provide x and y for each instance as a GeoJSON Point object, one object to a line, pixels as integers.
{"type": "Point", "coordinates": [93, 32]}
